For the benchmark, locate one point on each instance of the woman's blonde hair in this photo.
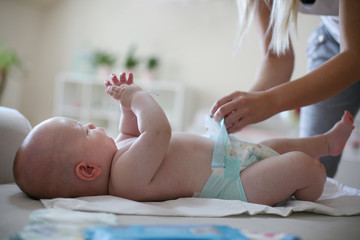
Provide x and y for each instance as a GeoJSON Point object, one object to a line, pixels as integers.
{"type": "Point", "coordinates": [283, 15]}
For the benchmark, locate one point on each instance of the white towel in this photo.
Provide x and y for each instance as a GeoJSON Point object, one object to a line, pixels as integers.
{"type": "Point", "coordinates": [336, 200]}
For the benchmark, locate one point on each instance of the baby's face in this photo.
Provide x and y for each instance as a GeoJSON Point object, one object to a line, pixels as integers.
{"type": "Point", "coordinates": [90, 142]}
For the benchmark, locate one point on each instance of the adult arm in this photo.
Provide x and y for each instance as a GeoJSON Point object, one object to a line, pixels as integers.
{"type": "Point", "coordinates": [243, 108]}
{"type": "Point", "coordinates": [267, 75]}
{"type": "Point", "coordinates": [332, 77]}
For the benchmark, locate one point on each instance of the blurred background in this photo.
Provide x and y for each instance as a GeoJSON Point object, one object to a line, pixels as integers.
{"type": "Point", "coordinates": [192, 41]}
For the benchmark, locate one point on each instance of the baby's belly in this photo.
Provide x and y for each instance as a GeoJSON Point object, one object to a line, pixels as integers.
{"type": "Point", "coordinates": [186, 167]}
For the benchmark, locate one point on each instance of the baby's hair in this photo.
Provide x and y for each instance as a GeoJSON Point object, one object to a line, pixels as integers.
{"type": "Point", "coordinates": [283, 15]}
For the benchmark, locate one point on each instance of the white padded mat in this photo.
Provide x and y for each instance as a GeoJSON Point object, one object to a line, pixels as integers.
{"type": "Point", "coordinates": [336, 200]}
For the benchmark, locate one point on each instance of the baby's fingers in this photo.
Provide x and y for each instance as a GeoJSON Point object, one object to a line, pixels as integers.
{"type": "Point", "coordinates": [115, 91]}
{"type": "Point", "coordinates": [130, 79]}
{"type": "Point", "coordinates": [115, 79]}
{"type": "Point", "coordinates": [119, 81]}
{"type": "Point", "coordinates": [107, 83]}
{"type": "Point", "coordinates": [122, 78]}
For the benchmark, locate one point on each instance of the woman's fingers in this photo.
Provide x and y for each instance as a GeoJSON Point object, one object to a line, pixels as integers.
{"type": "Point", "coordinates": [237, 125]}
{"type": "Point", "coordinates": [240, 109]}
{"type": "Point", "coordinates": [221, 108]}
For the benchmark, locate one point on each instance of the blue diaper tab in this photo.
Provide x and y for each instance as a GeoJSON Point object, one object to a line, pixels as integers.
{"type": "Point", "coordinates": [230, 157]}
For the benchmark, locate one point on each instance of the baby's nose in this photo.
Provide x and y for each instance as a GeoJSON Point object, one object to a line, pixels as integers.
{"type": "Point", "coordinates": [91, 126]}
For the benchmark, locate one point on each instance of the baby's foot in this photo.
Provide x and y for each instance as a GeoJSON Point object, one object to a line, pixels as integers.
{"type": "Point", "coordinates": [339, 134]}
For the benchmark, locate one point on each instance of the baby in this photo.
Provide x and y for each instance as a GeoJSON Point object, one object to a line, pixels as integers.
{"type": "Point", "coordinates": [148, 162]}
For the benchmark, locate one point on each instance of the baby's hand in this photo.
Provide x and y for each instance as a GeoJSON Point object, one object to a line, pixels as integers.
{"type": "Point", "coordinates": [123, 89]}
{"type": "Point", "coordinates": [123, 80]}
{"type": "Point", "coordinates": [117, 82]}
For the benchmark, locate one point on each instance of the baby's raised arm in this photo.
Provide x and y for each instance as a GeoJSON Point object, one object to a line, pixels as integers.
{"type": "Point", "coordinates": [136, 167]}
{"type": "Point", "coordinates": [128, 123]}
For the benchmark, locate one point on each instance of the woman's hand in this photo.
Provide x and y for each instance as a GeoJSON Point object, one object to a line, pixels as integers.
{"type": "Point", "coordinates": [242, 108]}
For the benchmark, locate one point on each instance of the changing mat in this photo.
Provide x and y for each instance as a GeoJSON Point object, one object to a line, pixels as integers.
{"type": "Point", "coordinates": [336, 200]}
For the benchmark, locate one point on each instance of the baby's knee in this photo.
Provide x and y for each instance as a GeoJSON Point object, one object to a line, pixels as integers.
{"type": "Point", "coordinates": [311, 168]}
{"type": "Point", "coordinates": [313, 177]}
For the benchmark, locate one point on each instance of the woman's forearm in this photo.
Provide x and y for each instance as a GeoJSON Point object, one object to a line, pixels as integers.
{"type": "Point", "coordinates": [273, 71]}
{"type": "Point", "coordinates": [326, 81]}
{"type": "Point", "coordinates": [333, 76]}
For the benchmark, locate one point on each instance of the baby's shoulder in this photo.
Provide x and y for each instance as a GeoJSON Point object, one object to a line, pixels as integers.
{"type": "Point", "coordinates": [122, 147]}
{"type": "Point", "coordinates": [124, 143]}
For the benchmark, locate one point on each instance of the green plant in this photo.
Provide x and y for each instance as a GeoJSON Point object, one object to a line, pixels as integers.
{"type": "Point", "coordinates": [131, 61]}
{"type": "Point", "coordinates": [152, 63]}
{"type": "Point", "coordinates": [103, 58]}
{"type": "Point", "coordinates": [8, 60]}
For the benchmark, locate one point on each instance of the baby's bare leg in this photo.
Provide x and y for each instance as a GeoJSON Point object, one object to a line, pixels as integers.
{"type": "Point", "coordinates": [272, 180]}
{"type": "Point", "coordinates": [330, 143]}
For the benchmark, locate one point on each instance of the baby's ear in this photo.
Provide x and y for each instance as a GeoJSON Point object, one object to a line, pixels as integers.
{"type": "Point", "coordinates": [86, 171]}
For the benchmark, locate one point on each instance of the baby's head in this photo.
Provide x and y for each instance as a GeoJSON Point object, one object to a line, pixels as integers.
{"type": "Point", "coordinates": [62, 158]}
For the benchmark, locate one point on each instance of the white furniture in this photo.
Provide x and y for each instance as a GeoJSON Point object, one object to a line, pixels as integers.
{"type": "Point", "coordinates": [82, 97]}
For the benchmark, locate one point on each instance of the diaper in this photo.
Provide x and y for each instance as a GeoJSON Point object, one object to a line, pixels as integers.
{"type": "Point", "coordinates": [230, 157]}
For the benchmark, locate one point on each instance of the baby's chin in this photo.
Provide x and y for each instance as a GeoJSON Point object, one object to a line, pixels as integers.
{"type": "Point", "coordinates": [107, 135]}
{"type": "Point", "coordinates": [113, 141]}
